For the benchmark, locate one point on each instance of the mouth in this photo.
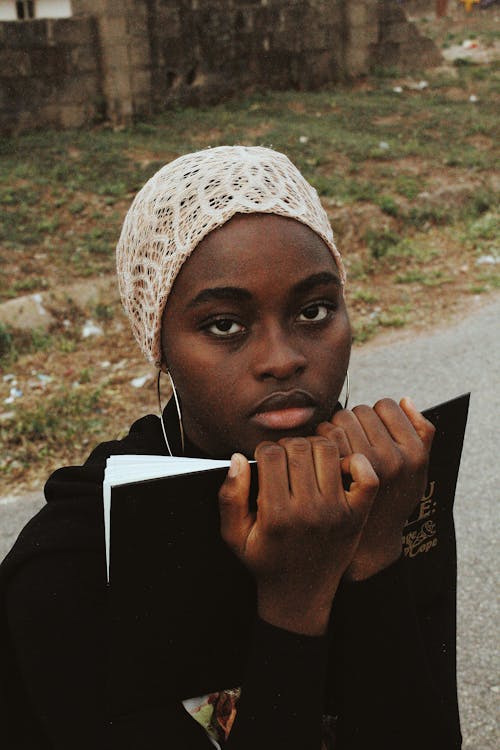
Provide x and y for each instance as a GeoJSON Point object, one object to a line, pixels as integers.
{"type": "Point", "coordinates": [284, 410]}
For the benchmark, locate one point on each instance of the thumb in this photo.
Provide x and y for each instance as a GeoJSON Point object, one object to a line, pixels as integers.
{"type": "Point", "coordinates": [424, 429]}
{"type": "Point", "coordinates": [364, 485]}
{"type": "Point", "coordinates": [236, 519]}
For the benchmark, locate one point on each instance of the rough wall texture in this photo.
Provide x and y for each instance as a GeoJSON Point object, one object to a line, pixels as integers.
{"type": "Point", "coordinates": [126, 58]}
{"type": "Point", "coordinates": [49, 73]}
{"type": "Point", "coordinates": [400, 43]}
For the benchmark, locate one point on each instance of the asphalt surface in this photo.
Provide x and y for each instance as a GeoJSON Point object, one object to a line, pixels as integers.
{"type": "Point", "coordinates": [432, 368]}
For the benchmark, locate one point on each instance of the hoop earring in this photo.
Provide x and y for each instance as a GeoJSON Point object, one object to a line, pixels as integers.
{"type": "Point", "coordinates": [347, 389]}
{"type": "Point", "coordinates": [177, 406]}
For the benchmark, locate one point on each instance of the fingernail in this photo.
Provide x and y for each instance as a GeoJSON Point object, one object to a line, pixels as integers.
{"type": "Point", "coordinates": [234, 469]}
{"type": "Point", "coordinates": [410, 403]}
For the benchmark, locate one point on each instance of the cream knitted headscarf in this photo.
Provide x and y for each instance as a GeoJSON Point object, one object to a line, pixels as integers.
{"type": "Point", "coordinates": [186, 200]}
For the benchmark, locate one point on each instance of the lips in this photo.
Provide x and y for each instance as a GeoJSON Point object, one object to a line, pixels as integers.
{"type": "Point", "coordinates": [285, 410]}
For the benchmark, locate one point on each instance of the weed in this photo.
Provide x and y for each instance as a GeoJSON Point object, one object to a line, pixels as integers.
{"type": "Point", "coordinates": [103, 312]}
{"type": "Point", "coordinates": [478, 289]}
{"type": "Point", "coordinates": [14, 343]}
{"type": "Point", "coordinates": [364, 330]}
{"type": "Point", "coordinates": [85, 376]}
{"type": "Point", "coordinates": [388, 205]}
{"type": "Point", "coordinates": [380, 242]}
{"type": "Point", "coordinates": [357, 269]}
{"type": "Point", "coordinates": [362, 190]}
{"type": "Point", "coordinates": [487, 227]}
{"type": "Point", "coordinates": [408, 186]}
{"type": "Point", "coordinates": [422, 217]}
{"type": "Point", "coordinates": [481, 202]}
{"type": "Point", "coordinates": [29, 284]}
{"type": "Point", "coordinates": [77, 207]}
{"type": "Point", "coordinates": [395, 317]}
{"type": "Point", "coordinates": [364, 296]}
{"type": "Point", "coordinates": [410, 277]}
{"type": "Point", "coordinates": [6, 344]}
{"type": "Point", "coordinates": [61, 418]}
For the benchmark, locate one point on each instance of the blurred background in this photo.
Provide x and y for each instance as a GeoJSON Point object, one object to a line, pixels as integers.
{"type": "Point", "coordinates": [389, 108]}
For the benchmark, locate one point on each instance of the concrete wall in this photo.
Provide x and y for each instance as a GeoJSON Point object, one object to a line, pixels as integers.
{"type": "Point", "coordinates": [400, 44]}
{"type": "Point", "coordinates": [49, 73]}
{"type": "Point", "coordinates": [127, 58]}
{"type": "Point", "coordinates": [204, 50]}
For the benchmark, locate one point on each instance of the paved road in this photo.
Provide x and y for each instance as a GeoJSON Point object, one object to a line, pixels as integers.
{"type": "Point", "coordinates": [433, 368]}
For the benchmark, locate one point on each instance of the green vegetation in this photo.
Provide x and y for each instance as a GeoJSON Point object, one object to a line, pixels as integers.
{"type": "Point", "coordinates": [15, 343]}
{"type": "Point", "coordinates": [65, 193]}
{"type": "Point", "coordinates": [39, 432]}
{"type": "Point", "coordinates": [407, 179]}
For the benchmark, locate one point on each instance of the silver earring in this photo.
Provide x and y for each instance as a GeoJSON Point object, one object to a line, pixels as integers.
{"type": "Point", "coordinates": [177, 405]}
{"type": "Point", "coordinates": [347, 389]}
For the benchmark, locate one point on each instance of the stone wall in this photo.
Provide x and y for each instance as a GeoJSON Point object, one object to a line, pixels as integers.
{"type": "Point", "coordinates": [127, 58]}
{"type": "Point", "coordinates": [400, 43]}
{"type": "Point", "coordinates": [200, 52]}
{"type": "Point", "coordinates": [49, 73]}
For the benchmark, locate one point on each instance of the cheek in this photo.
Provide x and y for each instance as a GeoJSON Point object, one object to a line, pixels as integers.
{"type": "Point", "coordinates": [204, 381]}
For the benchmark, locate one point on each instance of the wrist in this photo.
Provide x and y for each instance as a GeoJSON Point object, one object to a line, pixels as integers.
{"type": "Point", "coordinates": [304, 615]}
{"type": "Point", "coordinates": [368, 562]}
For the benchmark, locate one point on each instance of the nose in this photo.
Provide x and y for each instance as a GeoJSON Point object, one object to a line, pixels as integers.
{"type": "Point", "coordinates": [277, 355]}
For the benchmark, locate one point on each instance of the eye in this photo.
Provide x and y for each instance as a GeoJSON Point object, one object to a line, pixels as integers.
{"type": "Point", "coordinates": [315, 313]}
{"type": "Point", "coordinates": [224, 327]}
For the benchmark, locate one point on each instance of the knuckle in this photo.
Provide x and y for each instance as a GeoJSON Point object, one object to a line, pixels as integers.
{"type": "Point", "coordinates": [429, 428]}
{"type": "Point", "coordinates": [296, 445]}
{"type": "Point", "coordinates": [342, 417]}
{"type": "Point", "coordinates": [325, 429]}
{"type": "Point", "coordinates": [226, 493]}
{"type": "Point", "coordinates": [398, 463]}
{"type": "Point", "coordinates": [362, 409]}
{"type": "Point", "coordinates": [371, 482]}
{"type": "Point", "coordinates": [385, 405]}
{"type": "Point", "coordinates": [324, 445]}
{"type": "Point", "coordinates": [271, 452]}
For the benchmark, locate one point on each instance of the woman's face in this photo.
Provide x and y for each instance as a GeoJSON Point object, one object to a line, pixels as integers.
{"type": "Point", "coordinates": [256, 335]}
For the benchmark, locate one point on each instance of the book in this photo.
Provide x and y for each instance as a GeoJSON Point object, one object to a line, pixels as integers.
{"type": "Point", "coordinates": [170, 573]}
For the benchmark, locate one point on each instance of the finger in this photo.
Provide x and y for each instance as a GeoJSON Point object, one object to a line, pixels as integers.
{"type": "Point", "coordinates": [335, 435]}
{"type": "Point", "coordinates": [396, 421]}
{"type": "Point", "coordinates": [236, 519]}
{"type": "Point", "coordinates": [364, 485]}
{"type": "Point", "coordinates": [358, 439]}
{"type": "Point", "coordinates": [274, 491]}
{"type": "Point", "coordinates": [326, 464]}
{"type": "Point", "coordinates": [424, 429]}
{"type": "Point", "coordinates": [301, 473]}
{"type": "Point", "coordinates": [375, 430]}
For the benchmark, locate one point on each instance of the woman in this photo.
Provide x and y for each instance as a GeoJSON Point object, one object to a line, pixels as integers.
{"type": "Point", "coordinates": [233, 285]}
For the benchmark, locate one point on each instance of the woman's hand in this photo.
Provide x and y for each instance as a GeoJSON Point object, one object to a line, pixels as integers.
{"type": "Point", "coordinates": [397, 442]}
{"type": "Point", "coordinates": [305, 531]}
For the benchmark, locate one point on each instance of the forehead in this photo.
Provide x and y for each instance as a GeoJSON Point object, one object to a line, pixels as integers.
{"type": "Point", "coordinates": [251, 247]}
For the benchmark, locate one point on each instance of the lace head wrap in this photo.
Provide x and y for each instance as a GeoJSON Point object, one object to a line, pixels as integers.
{"type": "Point", "coordinates": [187, 199]}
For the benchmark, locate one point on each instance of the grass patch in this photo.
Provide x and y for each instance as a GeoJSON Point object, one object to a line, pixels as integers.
{"type": "Point", "coordinates": [380, 243]}
{"type": "Point", "coordinates": [362, 295]}
{"type": "Point", "coordinates": [14, 343]}
{"type": "Point", "coordinates": [37, 433]}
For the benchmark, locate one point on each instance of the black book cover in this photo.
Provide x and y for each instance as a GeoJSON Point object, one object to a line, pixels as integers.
{"type": "Point", "coordinates": [182, 606]}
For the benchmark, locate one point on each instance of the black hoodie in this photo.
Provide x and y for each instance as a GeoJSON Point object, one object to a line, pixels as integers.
{"type": "Point", "coordinates": [385, 683]}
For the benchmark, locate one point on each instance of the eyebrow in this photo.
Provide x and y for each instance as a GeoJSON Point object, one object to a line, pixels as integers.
{"type": "Point", "coordinates": [238, 294]}
{"type": "Point", "coordinates": [316, 279]}
{"type": "Point", "coordinates": [234, 293]}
